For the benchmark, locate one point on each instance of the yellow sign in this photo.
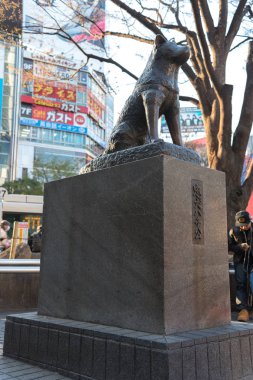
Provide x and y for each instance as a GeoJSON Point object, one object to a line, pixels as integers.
{"type": "Point", "coordinates": [20, 235]}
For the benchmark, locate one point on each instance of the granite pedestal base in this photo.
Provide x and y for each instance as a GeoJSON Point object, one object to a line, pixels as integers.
{"type": "Point", "coordinates": [139, 246]}
{"type": "Point", "coordinates": [86, 351]}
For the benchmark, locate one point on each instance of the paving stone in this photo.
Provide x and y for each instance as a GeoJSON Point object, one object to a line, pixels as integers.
{"type": "Point", "coordinates": [63, 350]}
{"type": "Point", "coordinates": [126, 362]}
{"type": "Point", "coordinates": [160, 365]}
{"type": "Point", "coordinates": [24, 340]}
{"type": "Point", "coordinates": [225, 360]}
{"type": "Point", "coordinates": [42, 344]}
{"type": "Point", "coordinates": [53, 339]}
{"type": "Point", "coordinates": [201, 362]}
{"type": "Point", "coordinates": [143, 363]}
{"type": "Point", "coordinates": [189, 363]}
{"type": "Point", "coordinates": [246, 355]}
{"type": "Point", "coordinates": [99, 359]}
{"type": "Point", "coordinates": [175, 364]}
{"type": "Point", "coordinates": [74, 352]}
{"type": "Point", "coordinates": [213, 361]}
{"type": "Point", "coordinates": [112, 360]}
{"type": "Point", "coordinates": [236, 358]}
{"type": "Point", "coordinates": [86, 359]}
{"type": "Point", "coordinates": [11, 369]}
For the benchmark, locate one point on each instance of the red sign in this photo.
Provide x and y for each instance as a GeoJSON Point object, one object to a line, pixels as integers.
{"type": "Point", "coordinates": [67, 107]}
{"type": "Point", "coordinates": [80, 119]}
{"type": "Point", "coordinates": [43, 89]}
{"type": "Point", "coordinates": [57, 116]}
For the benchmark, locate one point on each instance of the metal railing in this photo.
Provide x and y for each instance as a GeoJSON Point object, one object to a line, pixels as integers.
{"type": "Point", "coordinates": [19, 265]}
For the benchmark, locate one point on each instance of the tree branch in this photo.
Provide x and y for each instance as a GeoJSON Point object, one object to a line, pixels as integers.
{"type": "Point", "coordinates": [240, 43]}
{"type": "Point", "coordinates": [235, 24]}
{"type": "Point", "coordinates": [247, 186]}
{"type": "Point", "coordinates": [225, 125]}
{"type": "Point", "coordinates": [138, 16]}
{"type": "Point", "coordinates": [242, 132]}
{"type": "Point", "coordinates": [131, 36]}
{"type": "Point", "coordinates": [208, 20]}
{"type": "Point", "coordinates": [199, 87]}
{"type": "Point", "coordinates": [204, 46]}
{"type": "Point", "coordinates": [189, 99]}
{"type": "Point", "coordinates": [223, 17]}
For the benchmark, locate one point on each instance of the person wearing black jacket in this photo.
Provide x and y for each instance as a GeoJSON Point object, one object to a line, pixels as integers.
{"type": "Point", "coordinates": [240, 242]}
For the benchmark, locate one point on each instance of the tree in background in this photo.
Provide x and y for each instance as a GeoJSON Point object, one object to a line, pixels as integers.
{"type": "Point", "coordinates": [42, 173]}
{"type": "Point", "coordinates": [54, 169]}
{"type": "Point", "coordinates": [210, 43]}
{"type": "Point", "coordinates": [27, 185]}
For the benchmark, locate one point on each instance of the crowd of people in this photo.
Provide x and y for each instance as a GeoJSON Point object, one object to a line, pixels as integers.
{"type": "Point", "coordinates": [31, 249]}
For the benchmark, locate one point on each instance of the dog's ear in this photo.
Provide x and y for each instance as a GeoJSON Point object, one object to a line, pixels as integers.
{"type": "Point", "coordinates": [159, 40]}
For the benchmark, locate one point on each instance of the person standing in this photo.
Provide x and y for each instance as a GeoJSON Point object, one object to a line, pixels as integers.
{"type": "Point", "coordinates": [240, 243]}
{"type": "Point", "coordinates": [4, 241]}
{"type": "Point", "coordinates": [35, 240]}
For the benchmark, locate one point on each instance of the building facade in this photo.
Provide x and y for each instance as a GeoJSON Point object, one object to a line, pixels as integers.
{"type": "Point", "coordinates": [10, 58]}
{"type": "Point", "coordinates": [53, 106]}
{"type": "Point", "coordinates": [63, 113]}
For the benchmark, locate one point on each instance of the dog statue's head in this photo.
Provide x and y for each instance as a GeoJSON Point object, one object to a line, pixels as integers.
{"type": "Point", "coordinates": [170, 50]}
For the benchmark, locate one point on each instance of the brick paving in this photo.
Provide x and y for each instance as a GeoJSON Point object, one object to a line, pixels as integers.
{"type": "Point", "coordinates": [14, 369]}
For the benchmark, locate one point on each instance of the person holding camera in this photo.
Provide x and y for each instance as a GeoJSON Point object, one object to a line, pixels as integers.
{"type": "Point", "coordinates": [240, 243]}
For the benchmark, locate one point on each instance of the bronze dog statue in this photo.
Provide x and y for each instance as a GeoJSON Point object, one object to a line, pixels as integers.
{"type": "Point", "coordinates": [155, 94]}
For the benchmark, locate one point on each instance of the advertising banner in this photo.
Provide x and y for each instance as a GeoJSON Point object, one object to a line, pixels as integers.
{"type": "Point", "coordinates": [55, 116]}
{"type": "Point", "coordinates": [11, 16]}
{"type": "Point", "coordinates": [53, 71]}
{"type": "Point", "coordinates": [68, 107]}
{"type": "Point", "coordinates": [43, 89]}
{"type": "Point", "coordinates": [2, 52]}
{"type": "Point", "coordinates": [95, 109]}
{"type": "Point", "coordinates": [190, 121]}
{"type": "Point", "coordinates": [27, 78]}
{"type": "Point", "coordinates": [55, 126]}
{"type": "Point", "coordinates": [89, 27]}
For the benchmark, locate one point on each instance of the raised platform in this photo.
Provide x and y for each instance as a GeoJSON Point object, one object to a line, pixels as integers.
{"type": "Point", "coordinates": [141, 152]}
{"type": "Point", "coordinates": [87, 351]}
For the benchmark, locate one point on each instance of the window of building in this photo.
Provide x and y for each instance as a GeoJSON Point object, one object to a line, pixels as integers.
{"type": "Point", "coordinates": [81, 98]}
{"type": "Point", "coordinates": [82, 77]}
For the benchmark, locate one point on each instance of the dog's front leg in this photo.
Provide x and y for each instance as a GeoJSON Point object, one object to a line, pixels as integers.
{"type": "Point", "coordinates": [152, 101]}
{"type": "Point", "coordinates": [173, 122]}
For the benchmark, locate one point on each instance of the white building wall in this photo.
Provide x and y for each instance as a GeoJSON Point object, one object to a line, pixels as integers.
{"type": "Point", "coordinates": [25, 158]}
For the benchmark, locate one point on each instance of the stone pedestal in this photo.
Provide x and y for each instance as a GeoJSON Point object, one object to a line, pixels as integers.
{"type": "Point", "coordinates": [139, 246]}
{"type": "Point", "coordinates": [85, 351]}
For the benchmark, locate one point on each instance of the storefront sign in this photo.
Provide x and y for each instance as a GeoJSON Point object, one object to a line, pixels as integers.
{"type": "Point", "coordinates": [26, 110]}
{"type": "Point", "coordinates": [68, 107]}
{"type": "Point", "coordinates": [54, 71]}
{"type": "Point", "coordinates": [43, 89]}
{"type": "Point", "coordinates": [58, 116]}
{"type": "Point", "coordinates": [19, 235]}
{"type": "Point", "coordinates": [55, 126]}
